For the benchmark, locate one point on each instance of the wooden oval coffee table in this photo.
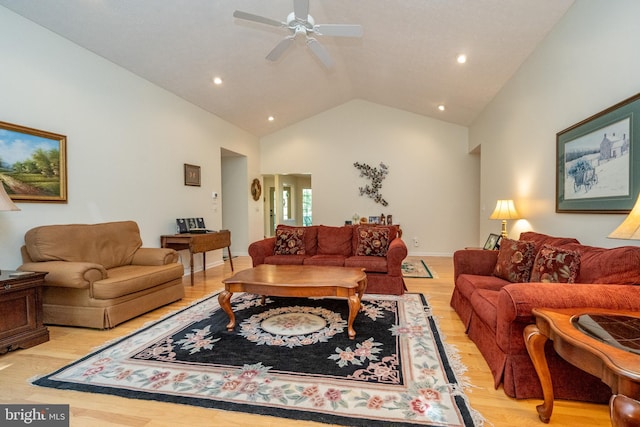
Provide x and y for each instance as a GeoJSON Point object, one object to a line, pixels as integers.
{"type": "Point", "coordinates": [297, 281]}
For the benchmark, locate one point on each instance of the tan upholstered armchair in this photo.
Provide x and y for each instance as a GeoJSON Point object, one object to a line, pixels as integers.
{"type": "Point", "coordinates": [99, 275]}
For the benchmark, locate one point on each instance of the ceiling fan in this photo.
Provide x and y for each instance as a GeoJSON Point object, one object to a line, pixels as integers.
{"type": "Point", "coordinates": [300, 23]}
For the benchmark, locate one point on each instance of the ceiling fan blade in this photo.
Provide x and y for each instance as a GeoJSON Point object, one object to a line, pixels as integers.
{"type": "Point", "coordinates": [277, 51]}
{"type": "Point", "coordinates": [257, 18]}
{"type": "Point", "coordinates": [320, 52]}
{"type": "Point", "coordinates": [301, 9]}
{"type": "Point", "coordinates": [338, 30]}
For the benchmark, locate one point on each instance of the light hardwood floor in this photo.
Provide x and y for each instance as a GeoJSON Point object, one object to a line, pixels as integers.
{"type": "Point", "coordinates": [69, 344]}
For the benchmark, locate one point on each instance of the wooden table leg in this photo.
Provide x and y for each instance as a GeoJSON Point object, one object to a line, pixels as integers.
{"type": "Point", "coordinates": [224, 299]}
{"type": "Point", "coordinates": [535, 342]}
{"type": "Point", "coordinates": [191, 265]}
{"type": "Point", "coordinates": [354, 308]}
{"type": "Point", "coordinates": [625, 412]}
{"type": "Point", "coordinates": [230, 259]}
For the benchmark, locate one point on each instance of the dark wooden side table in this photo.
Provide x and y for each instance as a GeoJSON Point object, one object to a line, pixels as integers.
{"type": "Point", "coordinates": [199, 243]}
{"type": "Point", "coordinates": [604, 343]}
{"type": "Point", "coordinates": [21, 310]}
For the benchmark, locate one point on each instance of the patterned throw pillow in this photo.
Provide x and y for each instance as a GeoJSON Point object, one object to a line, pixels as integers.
{"type": "Point", "coordinates": [372, 241]}
{"type": "Point", "coordinates": [555, 265]}
{"type": "Point", "coordinates": [515, 259]}
{"type": "Point", "coordinates": [289, 241]}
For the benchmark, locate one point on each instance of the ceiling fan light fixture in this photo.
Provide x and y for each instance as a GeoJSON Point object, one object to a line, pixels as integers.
{"type": "Point", "coordinates": [462, 58]}
{"type": "Point", "coordinates": [301, 25]}
{"type": "Point", "coordinates": [217, 81]}
{"type": "Point", "coordinates": [271, 118]}
{"type": "Point", "coordinates": [441, 107]}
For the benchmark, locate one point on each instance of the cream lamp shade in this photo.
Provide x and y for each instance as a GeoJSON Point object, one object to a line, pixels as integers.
{"type": "Point", "coordinates": [630, 227]}
{"type": "Point", "coordinates": [6, 204]}
{"type": "Point", "coordinates": [504, 210]}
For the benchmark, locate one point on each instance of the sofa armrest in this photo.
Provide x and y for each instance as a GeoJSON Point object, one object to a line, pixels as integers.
{"type": "Point", "coordinates": [478, 262]}
{"type": "Point", "coordinates": [516, 300]}
{"type": "Point", "coordinates": [396, 253]}
{"type": "Point", "coordinates": [261, 249]}
{"type": "Point", "coordinates": [154, 256]}
{"type": "Point", "coordinates": [67, 274]}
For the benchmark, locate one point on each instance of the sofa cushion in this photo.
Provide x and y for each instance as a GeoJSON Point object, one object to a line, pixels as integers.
{"type": "Point", "coordinates": [467, 284]}
{"type": "Point", "coordinates": [485, 306]}
{"type": "Point", "coordinates": [330, 260]}
{"type": "Point", "coordinates": [334, 240]}
{"type": "Point", "coordinates": [130, 279]}
{"type": "Point", "coordinates": [515, 259]}
{"type": "Point", "coordinates": [110, 244]}
{"type": "Point", "coordinates": [285, 259]}
{"type": "Point", "coordinates": [619, 265]}
{"type": "Point", "coordinates": [540, 239]}
{"type": "Point", "coordinates": [310, 237]}
{"type": "Point", "coordinates": [372, 241]}
{"type": "Point", "coordinates": [374, 264]}
{"type": "Point", "coordinates": [289, 241]}
{"type": "Point", "coordinates": [555, 265]}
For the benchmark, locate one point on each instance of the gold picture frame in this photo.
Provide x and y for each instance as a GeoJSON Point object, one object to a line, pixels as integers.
{"type": "Point", "coordinates": [33, 164]}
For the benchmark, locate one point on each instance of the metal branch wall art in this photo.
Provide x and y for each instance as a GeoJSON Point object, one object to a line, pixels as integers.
{"type": "Point", "coordinates": [376, 176]}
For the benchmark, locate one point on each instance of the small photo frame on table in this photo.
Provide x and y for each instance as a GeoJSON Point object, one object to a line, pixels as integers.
{"type": "Point", "coordinates": [492, 243]}
{"type": "Point", "coordinates": [191, 175]}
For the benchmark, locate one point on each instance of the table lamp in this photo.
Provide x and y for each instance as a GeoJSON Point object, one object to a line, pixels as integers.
{"type": "Point", "coordinates": [504, 210]}
{"type": "Point", "coordinates": [6, 204]}
{"type": "Point", "coordinates": [630, 227]}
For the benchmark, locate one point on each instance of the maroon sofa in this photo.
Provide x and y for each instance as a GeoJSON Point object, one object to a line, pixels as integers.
{"type": "Point", "coordinates": [376, 248]}
{"type": "Point", "coordinates": [495, 311]}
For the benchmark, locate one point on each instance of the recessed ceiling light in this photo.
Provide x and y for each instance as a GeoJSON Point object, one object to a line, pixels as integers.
{"type": "Point", "coordinates": [271, 118]}
{"type": "Point", "coordinates": [462, 58]}
{"type": "Point", "coordinates": [441, 107]}
{"type": "Point", "coordinates": [217, 81]}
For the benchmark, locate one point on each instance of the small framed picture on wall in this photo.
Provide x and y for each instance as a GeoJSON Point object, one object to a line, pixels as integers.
{"type": "Point", "coordinates": [191, 175]}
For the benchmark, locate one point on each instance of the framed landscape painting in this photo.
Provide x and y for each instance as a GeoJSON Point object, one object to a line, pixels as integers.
{"type": "Point", "coordinates": [33, 164]}
{"type": "Point", "coordinates": [597, 161]}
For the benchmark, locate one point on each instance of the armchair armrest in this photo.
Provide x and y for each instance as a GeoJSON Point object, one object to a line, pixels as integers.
{"type": "Point", "coordinates": [154, 256]}
{"type": "Point", "coordinates": [261, 249]}
{"type": "Point", "coordinates": [396, 253]}
{"type": "Point", "coordinates": [474, 261]}
{"type": "Point", "coordinates": [67, 274]}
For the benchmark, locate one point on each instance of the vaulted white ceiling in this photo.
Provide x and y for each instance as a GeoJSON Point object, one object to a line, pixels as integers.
{"type": "Point", "coordinates": [406, 58]}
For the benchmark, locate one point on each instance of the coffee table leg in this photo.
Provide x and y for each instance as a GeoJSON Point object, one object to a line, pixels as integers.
{"type": "Point", "coordinates": [354, 308]}
{"type": "Point", "coordinates": [224, 299]}
{"type": "Point", "coordinates": [535, 341]}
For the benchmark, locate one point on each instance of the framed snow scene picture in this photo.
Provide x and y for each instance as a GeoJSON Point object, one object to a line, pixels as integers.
{"type": "Point", "coordinates": [597, 168]}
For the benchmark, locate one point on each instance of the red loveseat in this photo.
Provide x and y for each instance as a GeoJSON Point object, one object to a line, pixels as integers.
{"type": "Point", "coordinates": [496, 311]}
{"type": "Point", "coordinates": [376, 248]}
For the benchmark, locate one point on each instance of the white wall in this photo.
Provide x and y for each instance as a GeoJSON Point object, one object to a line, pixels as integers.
{"type": "Point", "coordinates": [433, 182]}
{"type": "Point", "coordinates": [586, 64]}
{"type": "Point", "coordinates": [127, 141]}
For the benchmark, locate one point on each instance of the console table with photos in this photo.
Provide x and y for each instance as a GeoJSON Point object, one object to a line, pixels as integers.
{"type": "Point", "coordinates": [199, 243]}
{"type": "Point", "coordinates": [21, 310]}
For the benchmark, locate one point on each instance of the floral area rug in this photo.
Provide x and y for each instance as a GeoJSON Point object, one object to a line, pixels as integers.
{"type": "Point", "coordinates": [416, 268]}
{"type": "Point", "coordinates": [289, 358]}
